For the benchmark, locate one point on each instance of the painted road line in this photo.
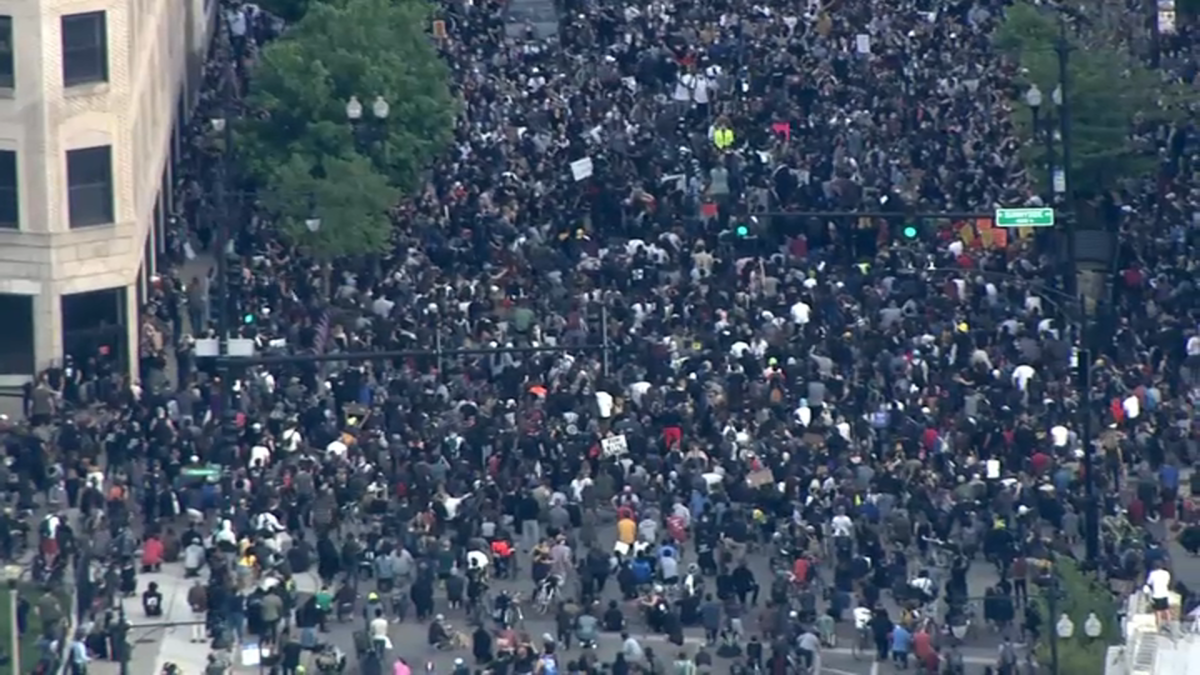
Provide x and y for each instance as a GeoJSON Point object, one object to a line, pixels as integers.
{"type": "Point", "coordinates": [973, 660]}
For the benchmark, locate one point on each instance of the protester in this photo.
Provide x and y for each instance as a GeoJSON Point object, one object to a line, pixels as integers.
{"type": "Point", "coordinates": [726, 378]}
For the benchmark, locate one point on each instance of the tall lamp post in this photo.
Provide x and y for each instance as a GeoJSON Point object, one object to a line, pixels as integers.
{"type": "Point", "coordinates": [1043, 131]}
{"type": "Point", "coordinates": [228, 275]}
{"type": "Point", "coordinates": [368, 131]}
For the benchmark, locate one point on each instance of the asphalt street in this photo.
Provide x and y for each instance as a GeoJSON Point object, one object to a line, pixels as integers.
{"type": "Point", "coordinates": [154, 646]}
{"type": "Point", "coordinates": [409, 638]}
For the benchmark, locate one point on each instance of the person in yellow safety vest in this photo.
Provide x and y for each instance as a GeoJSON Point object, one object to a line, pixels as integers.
{"type": "Point", "coordinates": [722, 135]}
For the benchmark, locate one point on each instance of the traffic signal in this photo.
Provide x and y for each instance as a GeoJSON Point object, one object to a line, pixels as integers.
{"type": "Point", "coordinates": [910, 232]}
{"type": "Point", "coordinates": [742, 230]}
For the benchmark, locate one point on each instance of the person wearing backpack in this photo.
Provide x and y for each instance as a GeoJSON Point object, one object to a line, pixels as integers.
{"type": "Point", "coordinates": [684, 665]}
{"type": "Point", "coordinates": [1007, 663]}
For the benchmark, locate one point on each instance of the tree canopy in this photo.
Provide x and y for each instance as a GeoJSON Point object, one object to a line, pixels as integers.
{"type": "Point", "coordinates": [302, 149]}
{"type": "Point", "coordinates": [1107, 88]}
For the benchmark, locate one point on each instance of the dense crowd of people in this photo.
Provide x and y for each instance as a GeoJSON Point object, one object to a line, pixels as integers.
{"type": "Point", "coordinates": [676, 349]}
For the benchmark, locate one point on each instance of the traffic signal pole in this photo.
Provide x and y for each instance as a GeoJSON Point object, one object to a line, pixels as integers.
{"type": "Point", "coordinates": [227, 291]}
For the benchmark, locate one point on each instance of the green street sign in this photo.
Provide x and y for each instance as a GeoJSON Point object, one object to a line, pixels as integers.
{"type": "Point", "coordinates": [1025, 217]}
{"type": "Point", "coordinates": [209, 472]}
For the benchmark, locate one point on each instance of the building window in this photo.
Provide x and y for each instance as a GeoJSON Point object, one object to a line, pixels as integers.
{"type": "Point", "coordinates": [90, 186]}
{"type": "Point", "coordinates": [85, 48]}
{"type": "Point", "coordinates": [10, 200]}
{"type": "Point", "coordinates": [8, 75]}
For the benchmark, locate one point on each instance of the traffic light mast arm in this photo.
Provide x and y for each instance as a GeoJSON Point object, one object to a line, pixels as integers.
{"type": "Point", "coordinates": [923, 215]}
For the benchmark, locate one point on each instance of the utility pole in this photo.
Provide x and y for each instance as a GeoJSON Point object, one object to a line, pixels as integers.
{"type": "Point", "coordinates": [1052, 607]}
{"type": "Point", "coordinates": [1091, 519]}
{"type": "Point", "coordinates": [120, 638]}
{"type": "Point", "coordinates": [1063, 48]}
{"type": "Point", "coordinates": [228, 290]}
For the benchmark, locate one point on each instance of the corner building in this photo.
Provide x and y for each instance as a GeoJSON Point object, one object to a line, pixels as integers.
{"type": "Point", "coordinates": [94, 100]}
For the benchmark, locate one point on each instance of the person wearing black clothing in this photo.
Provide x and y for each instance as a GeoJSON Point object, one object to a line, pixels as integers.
{"type": "Point", "coordinates": [290, 654]}
{"type": "Point", "coordinates": [754, 652]}
{"type": "Point", "coordinates": [152, 601]}
{"type": "Point", "coordinates": [614, 619]}
{"type": "Point", "coordinates": [881, 629]}
{"type": "Point", "coordinates": [455, 589]}
{"type": "Point", "coordinates": [744, 584]}
{"type": "Point", "coordinates": [422, 597]}
{"type": "Point", "coordinates": [481, 645]}
{"type": "Point", "coordinates": [528, 510]}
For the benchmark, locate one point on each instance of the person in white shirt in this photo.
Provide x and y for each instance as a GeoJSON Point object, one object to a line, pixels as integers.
{"type": "Point", "coordinates": [1158, 587]}
{"type": "Point", "coordinates": [1021, 376]}
{"type": "Point", "coordinates": [862, 618]}
{"type": "Point", "coordinates": [841, 525]}
{"type": "Point", "coordinates": [379, 631]}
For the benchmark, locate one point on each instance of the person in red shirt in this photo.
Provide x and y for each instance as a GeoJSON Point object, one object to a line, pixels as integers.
{"type": "Point", "coordinates": [800, 570]}
{"type": "Point", "coordinates": [1039, 463]}
{"type": "Point", "coordinates": [923, 646]}
{"type": "Point", "coordinates": [152, 554]}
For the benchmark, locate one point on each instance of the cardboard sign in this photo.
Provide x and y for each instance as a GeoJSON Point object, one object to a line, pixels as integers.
{"type": "Point", "coordinates": [439, 29]}
{"type": "Point", "coordinates": [614, 446]}
{"type": "Point", "coordinates": [760, 478]}
{"type": "Point", "coordinates": [582, 168]}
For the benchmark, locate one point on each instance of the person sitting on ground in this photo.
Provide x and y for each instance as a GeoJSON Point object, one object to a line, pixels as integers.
{"type": "Point", "coordinates": [152, 600]}
{"type": "Point", "coordinates": [438, 635]}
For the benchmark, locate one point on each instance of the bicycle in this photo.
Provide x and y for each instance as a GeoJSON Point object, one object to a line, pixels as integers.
{"type": "Point", "coordinates": [513, 616]}
{"type": "Point", "coordinates": [862, 647]}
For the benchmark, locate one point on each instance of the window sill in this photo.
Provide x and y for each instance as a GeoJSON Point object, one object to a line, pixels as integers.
{"type": "Point", "coordinates": [8, 93]}
{"type": "Point", "coordinates": [90, 226]}
{"type": "Point", "coordinates": [86, 89]}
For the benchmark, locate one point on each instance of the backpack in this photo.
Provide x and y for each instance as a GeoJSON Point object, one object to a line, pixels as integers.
{"type": "Point", "coordinates": [1008, 655]}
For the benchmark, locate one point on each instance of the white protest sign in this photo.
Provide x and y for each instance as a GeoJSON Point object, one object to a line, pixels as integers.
{"type": "Point", "coordinates": [581, 168]}
{"type": "Point", "coordinates": [862, 43]}
{"type": "Point", "coordinates": [614, 446]}
{"type": "Point", "coordinates": [993, 469]}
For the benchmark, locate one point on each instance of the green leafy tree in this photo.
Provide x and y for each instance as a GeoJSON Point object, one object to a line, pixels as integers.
{"type": "Point", "coordinates": [299, 91]}
{"type": "Point", "coordinates": [336, 209]}
{"type": "Point", "coordinates": [290, 11]}
{"type": "Point", "coordinates": [1107, 88]}
{"type": "Point", "coordinates": [1079, 595]}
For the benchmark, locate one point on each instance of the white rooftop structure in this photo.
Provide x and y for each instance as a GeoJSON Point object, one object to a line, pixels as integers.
{"type": "Point", "coordinates": [1149, 651]}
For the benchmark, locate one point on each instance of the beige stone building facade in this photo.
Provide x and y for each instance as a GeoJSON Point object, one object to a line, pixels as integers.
{"type": "Point", "coordinates": [93, 99]}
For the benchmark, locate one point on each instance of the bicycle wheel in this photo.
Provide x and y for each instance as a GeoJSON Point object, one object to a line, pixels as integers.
{"type": "Point", "coordinates": [858, 649]}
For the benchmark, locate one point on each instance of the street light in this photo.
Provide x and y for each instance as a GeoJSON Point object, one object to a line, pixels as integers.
{"type": "Point", "coordinates": [12, 573]}
{"type": "Point", "coordinates": [380, 108]}
{"type": "Point", "coordinates": [1033, 98]}
{"type": "Point", "coordinates": [1065, 627]}
{"type": "Point", "coordinates": [354, 109]}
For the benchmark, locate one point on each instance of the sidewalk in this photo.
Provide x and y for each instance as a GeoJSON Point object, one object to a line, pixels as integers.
{"type": "Point", "coordinates": [153, 647]}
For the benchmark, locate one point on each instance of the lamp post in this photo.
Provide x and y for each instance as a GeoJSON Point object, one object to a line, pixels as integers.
{"type": "Point", "coordinates": [1064, 629]}
{"type": "Point", "coordinates": [1044, 132]}
{"type": "Point", "coordinates": [368, 130]}
{"type": "Point", "coordinates": [226, 293]}
{"type": "Point", "coordinates": [12, 573]}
